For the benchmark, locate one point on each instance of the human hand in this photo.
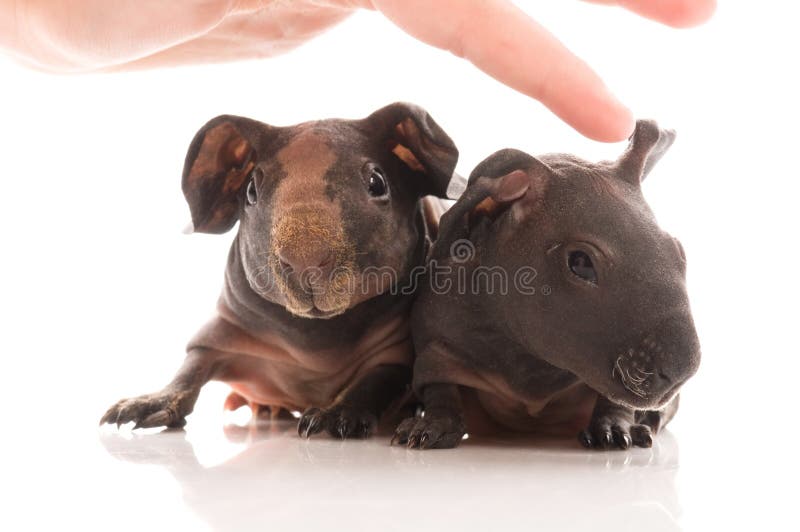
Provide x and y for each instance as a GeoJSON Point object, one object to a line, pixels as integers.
{"type": "Point", "coordinates": [495, 35]}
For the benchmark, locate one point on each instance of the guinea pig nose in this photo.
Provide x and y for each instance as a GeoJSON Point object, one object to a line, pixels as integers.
{"type": "Point", "coordinates": [309, 264]}
{"type": "Point", "coordinates": [676, 348]}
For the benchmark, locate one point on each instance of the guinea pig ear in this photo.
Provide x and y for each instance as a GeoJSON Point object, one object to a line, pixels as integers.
{"type": "Point", "coordinates": [417, 140]}
{"type": "Point", "coordinates": [505, 190]}
{"type": "Point", "coordinates": [489, 195]}
{"type": "Point", "coordinates": [646, 146]}
{"type": "Point", "coordinates": [220, 157]}
{"type": "Point", "coordinates": [504, 177]}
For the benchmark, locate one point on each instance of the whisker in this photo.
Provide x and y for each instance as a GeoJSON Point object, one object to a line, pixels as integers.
{"type": "Point", "coordinates": [632, 384]}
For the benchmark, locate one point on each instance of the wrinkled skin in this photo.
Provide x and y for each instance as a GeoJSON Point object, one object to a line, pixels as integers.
{"type": "Point", "coordinates": [331, 225]}
{"type": "Point", "coordinates": [606, 338]}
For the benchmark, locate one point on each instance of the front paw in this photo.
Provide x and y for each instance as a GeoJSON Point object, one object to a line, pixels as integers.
{"type": "Point", "coordinates": [341, 421]}
{"type": "Point", "coordinates": [430, 432]}
{"type": "Point", "coordinates": [608, 432]}
{"type": "Point", "coordinates": [167, 408]}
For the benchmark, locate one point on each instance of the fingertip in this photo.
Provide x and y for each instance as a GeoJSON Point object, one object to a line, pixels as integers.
{"type": "Point", "coordinates": [603, 118]}
{"type": "Point", "coordinates": [691, 13]}
{"type": "Point", "coordinates": [675, 13]}
{"type": "Point", "coordinates": [617, 125]}
{"type": "Point", "coordinates": [625, 126]}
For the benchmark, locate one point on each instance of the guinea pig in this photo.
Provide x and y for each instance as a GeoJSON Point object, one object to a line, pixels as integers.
{"type": "Point", "coordinates": [554, 302]}
{"type": "Point", "coordinates": [332, 221]}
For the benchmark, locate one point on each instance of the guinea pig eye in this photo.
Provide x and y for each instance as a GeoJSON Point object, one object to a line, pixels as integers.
{"type": "Point", "coordinates": [581, 265]}
{"type": "Point", "coordinates": [252, 195]}
{"type": "Point", "coordinates": [252, 192]}
{"type": "Point", "coordinates": [377, 186]}
{"type": "Point", "coordinates": [252, 186]}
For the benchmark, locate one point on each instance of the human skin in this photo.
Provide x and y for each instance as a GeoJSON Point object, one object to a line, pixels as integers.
{"type": "Point", "coordinates": [70, 36]}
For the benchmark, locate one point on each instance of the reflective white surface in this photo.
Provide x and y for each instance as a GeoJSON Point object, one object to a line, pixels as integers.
{"type": "Point", "coordinates": [278, 479]}
{"type": "Point", "coordinates": [219, 475]}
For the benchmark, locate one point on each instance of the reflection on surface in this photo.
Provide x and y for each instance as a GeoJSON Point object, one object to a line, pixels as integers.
{"type": "Point", "coordinates": [284, 482]}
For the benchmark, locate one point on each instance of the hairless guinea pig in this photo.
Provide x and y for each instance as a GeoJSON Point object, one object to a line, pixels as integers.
{"type": "Point", "coordinates": [603, 339]}
{"type": "Point", "coordinates": [304, 322]}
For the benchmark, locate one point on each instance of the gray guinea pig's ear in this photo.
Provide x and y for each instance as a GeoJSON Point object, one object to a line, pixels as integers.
{"type": "Point", "coordinates": [218, 162]}
{"type": "Point", "coordinates": [508, 188]}
{"type": "Point", "coordinates": [646, 146]}
{"type": "Point", "coordinates": [502, 178]}
{"type": "Point", "coordinates": [495, 184]}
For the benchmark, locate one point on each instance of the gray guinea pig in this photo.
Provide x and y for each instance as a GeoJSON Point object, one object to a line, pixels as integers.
{"type": "Point", "coordinates": [554, 301]}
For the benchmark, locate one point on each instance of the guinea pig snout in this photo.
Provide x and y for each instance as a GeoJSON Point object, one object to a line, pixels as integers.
{"type": "Point", "coordinates": [310, 264]}
{"type": "Point", "coordinates": [654, 368]}
{"type": "Point", "coordinates": [308, 244]}
{"type": "Point", "coordinates": [312, 260]}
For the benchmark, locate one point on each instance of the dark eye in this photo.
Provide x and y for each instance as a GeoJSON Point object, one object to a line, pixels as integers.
{"type": "Point", "coordinates": [252, 187]}
{"type": "Point", "coordinates": [377, 186]}
{"type": "Point", "coordinates": [252, 195]}
{"type": "Point", "coordinates": [581, 265]}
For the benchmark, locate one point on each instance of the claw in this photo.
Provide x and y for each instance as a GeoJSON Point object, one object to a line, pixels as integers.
{"type": "Point", "coordinates": [586, 439]}
{"type": "Point", "coordinates": [423, 441]}
{"type": "Point", "coordinates": [343, 428]}
{"type": "Point", "coordinates": [606, 439]}
{"type": "Point", "coordinates": [107, 416]}
{"type": "Point", "coordinates": [309, 422]}
{"type": "Point", "coordinates": [126, 413]}
{"type": "Point", "coordinates": [621, 437]}
{"type": "Point", "coordinates": [302, 426]}
{"type": "Point", "coordinates": [312, 425]}
{"type": "Point", "coordinates": [413, 441]}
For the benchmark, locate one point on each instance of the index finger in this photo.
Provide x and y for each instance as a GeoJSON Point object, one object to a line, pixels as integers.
{"type": "Point", "coordinates": [503, 41]}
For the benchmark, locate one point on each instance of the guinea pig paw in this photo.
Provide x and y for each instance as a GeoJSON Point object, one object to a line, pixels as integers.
{"type": "Point", "coordinates": [439, 432]}
{"type": "Point", "coordinates": [341, 421]}
{"type": "Point", "coordinates": [609, 433]}
{"type": "Point", "coordinates": [162, 409]}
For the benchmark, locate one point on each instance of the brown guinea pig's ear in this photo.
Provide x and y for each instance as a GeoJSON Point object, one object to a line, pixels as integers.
{"type": "Point", "coordinates": [417, 140]}
{"type": "Point", "coordinates": [646, 146]}
{"type": "Point", "coordinates": [220, 157]}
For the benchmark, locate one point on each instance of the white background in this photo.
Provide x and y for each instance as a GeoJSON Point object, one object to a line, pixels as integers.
{"type": "Point", "coordinates": [100, 290]}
